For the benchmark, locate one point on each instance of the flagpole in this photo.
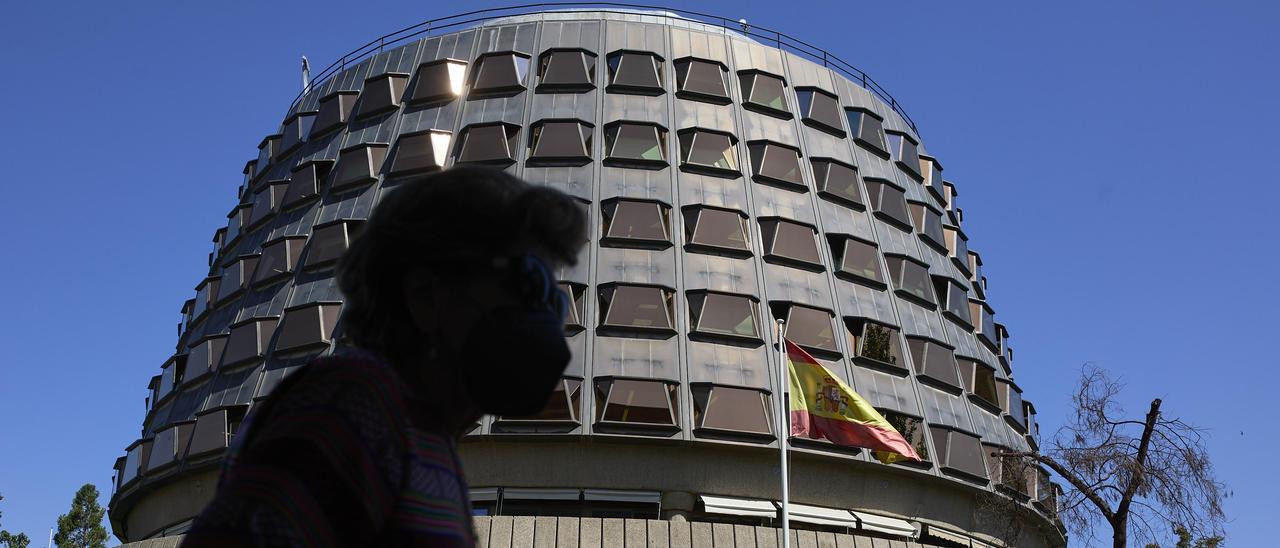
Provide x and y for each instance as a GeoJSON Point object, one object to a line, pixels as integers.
{"type": "Point", "coordinates": [784, 432]}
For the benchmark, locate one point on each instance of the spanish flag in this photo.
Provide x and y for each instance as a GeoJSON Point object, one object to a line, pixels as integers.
{"type": "Point", "coordinates": [823, 406]}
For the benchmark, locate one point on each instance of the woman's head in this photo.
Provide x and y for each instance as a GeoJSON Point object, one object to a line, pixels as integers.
{"type": "Point", "coordinates": [427, 264]}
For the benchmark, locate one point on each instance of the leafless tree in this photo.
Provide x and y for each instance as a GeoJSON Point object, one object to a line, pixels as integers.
{"type": "Point", "coordinates": [1141, 477]}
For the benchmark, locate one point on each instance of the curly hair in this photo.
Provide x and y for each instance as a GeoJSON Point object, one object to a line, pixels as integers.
{"type": "Point", "coordinates": [445, 222]}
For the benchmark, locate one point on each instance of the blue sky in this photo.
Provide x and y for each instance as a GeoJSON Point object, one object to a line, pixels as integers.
{"type": "Point", "coordinates": [1113, 160]}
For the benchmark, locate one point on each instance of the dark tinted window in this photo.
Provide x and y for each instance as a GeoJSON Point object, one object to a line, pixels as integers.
{"type": "Point", "coordinates": [934, 361]}
{"type": "Point", "coordinates": [875, 341]}
{"type": "Point", "coordinates": [858, 259]}
{"type": "Point", "coordinates": [265, 202]}
{"type": "Point", "coordinates": [708, 151]}
{"type": "Point", "coordinates": [764, 92]}
{"type": "Point", "coordinates": [439, 81]}
{"type": "Point", "coordinates": [958, 248]}
{"type": "Point", "coordinates": [570, 70]}
{"type": "Point", "coordinates": [728, 409]}
{"type": "Point", "coordinates": [574, 321]}
{"type": "Point", "coordinates": [421, 151]}
{"type": "Point", "coordinates": [932, 171]}
{"type": "Point", "coordinates": [837, 181]}
{"type": "Point", "coordinates": [867, 130]}
{"type": "Point", "coordinates": [776, 163]}
{"type": "Point", "coordinates": [636, 307]}
{"type": "Point", "coordinates": [632, 221]}
{"type": "Point", "coordinates": [308, 326]}
{"type": "Point", "coordinates": [381, 94]}
{"type": "Point", "coordinates": [911, 278]}
{"type": "Point", "coordinates": [716, 229]}
{"type": "Point", "coordinates": [335, 108]}
{"type": "Point", "coordinates": [928, 223]}
{"type": "Point", "coordinates": [904, 151]}
{"type": "Point", "coordinates": [911, 428]}
{"type": "Point", "coordinates": [636, 401]}
{"type": "Point", "coordinates": [328, 242]}
{"type": "Point", "coordinates": [954, 298]}
{"type": "Point", "coordinates": [723, 314]}
{"type": "Point", "coordinates": [888, 200]}
{"type": "Point", "coordinates": [359, 165]}
{"type": "Point", "coordinates": [559, 142]}
{"type": "Point", "coordinates": [984, 321]}
{"type": "Point", "coordinates": [305, 181]}
{"type": "Point", "coordinates": [984, 381]}
{"type": "Point", "coordinates": [635, 72]}
{"type": "Point", "coordinates": [278, 259]}
{"type": "Point", "coordinates": [808, 326]}
{"type": "Point", "coordinates": [296, 131]}
{"type": "Point", "coordinates": [499, 73]}
{"type": "Point", "coordinates": [267, 152]}
{"type": "Point", "coordinates": [790, 242]}
{"type": "Point", "coordinates": [488, 144]}
{"type": "Point", "coordinates": [701, 80]}
{"type": "Point", "coordinates": [959, 452]}
{"type": "Point", "coordinates": [564, 404]}
{"type": "Point", "coordinates": [635, 143]}
{"type": "Point", "coordinates": [248, 341]}
{"type": "Point", "coordinates": [236, 277]}
{"type": "Point", "coordinates": [820, 109]}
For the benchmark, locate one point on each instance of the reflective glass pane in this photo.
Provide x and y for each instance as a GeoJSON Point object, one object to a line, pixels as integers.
{"type": "Point", "coordinates": [810, 327]}
{"type": "Point", "coordinates": [984, 384]}
{"type": "Point", "coordinates": [911, 277]}
{"type": "Point", "coordinates": [559, 140]}
{"type": "Point", "coordinates": [877, 342]}
{"type": "Point", "coordinates": [732, 409]}
{"type": "Point", "coordinates": [837, 181]}
{"type": "Point", "coordinates": [721, 314]}
{"type": "Point", "coordinates": [438, 81]}
{"type": "Point", "coordinates": [629, 219]}
{"type": "Point", "coordinates": [635, 142]}
{"type": "Point", "coordinates": [719, 228]}
{"type": "Point", "coordinates": [709, 149]}
{"type": "Point", "coordinates": [637, 306]}
{"type": "Point", "coordinates": [820, 108]}
{"type": "Point", "coordinates": [488, 143]}
{"type": "Point", "coordinates": [637, 401]}
{"type": "Point", "coordinates": [889, 200]}
{"type": "Point", "coordinates": [701, 78]}
{"type": "Point", "coordinates": [776, 162]}
{"type": "Point", "coordinates": [638, 71]}
{"type": "Point", "coordinates": [912, 429]}
{"type": "Point", "coordinates": [933, 360]}
{"type": "Point", "coordinates": [867, 130]}
{"type": "Point", "coordinates": [793, 241]}
{"type": "Point", "coordinates": [566, 70]}
{"type": "Point", "coordinates": [764, 90]}
{"type": "Point", "coordinates": [500, 72]}
{"type": "Point", "coordinates": [860, 259]}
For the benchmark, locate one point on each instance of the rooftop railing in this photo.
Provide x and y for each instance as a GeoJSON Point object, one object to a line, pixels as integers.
{"type": "Point", "coordinates": [464, 20]}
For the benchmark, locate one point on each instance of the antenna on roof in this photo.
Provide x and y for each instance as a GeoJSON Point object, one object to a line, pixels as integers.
{"type": "Point", "coordinates": [743, 23]}
{"type": "Point", "coordinates": [306, 74]}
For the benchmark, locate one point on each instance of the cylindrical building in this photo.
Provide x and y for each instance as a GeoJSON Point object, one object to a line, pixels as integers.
{"type": "Point", "coordinates": [733, 176]}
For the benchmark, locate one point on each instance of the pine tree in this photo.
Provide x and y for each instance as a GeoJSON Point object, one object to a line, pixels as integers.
{"type": "Point", "coordinates": [11, 540]}
{"type": "Point", "coordinates": [82, 526]}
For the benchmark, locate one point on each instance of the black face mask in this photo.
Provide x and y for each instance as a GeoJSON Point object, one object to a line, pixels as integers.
{"type": "Point", "coordinates": [518, 353]}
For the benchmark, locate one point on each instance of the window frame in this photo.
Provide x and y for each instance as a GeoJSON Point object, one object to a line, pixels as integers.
{"type": "Point", "coordinates": [758, 151]}
{"type": "Point", "coordinates": [693, 215]}
{"type": "Point", "coordinates": [462, 148]}
{"type": "Point", "coordinates": [589, 59]}
{"type": "Point", "coordinates": [857, 341]}
{"type": "Point", "coordinates": [875, 203]}
{"type": "Point", "coordinates": [899, 281]}
{"type": "Point", "coordinates": [699, 414]}
{"type": "Point", "coordinates": [880, 148]}
{"type": "Point", "coordinates": [820, 182]}
{"type": "Point", "coordinates": [768, 242]}
{"type": "Point", "coordinates": [418, 96]}
{"type": "Point", "coordinates": [499, 90]}
{"type": "Point", "coordinates": [329, 118]}
{"type": "Point", "coordinates": [695, 317]}
{"type": "Point", "coordinates": [921, 215]}
{"type": "Point", "coordinates": [921, 365]}
{"type": "Point", "coordinates": [831, 127]}
{"type": "Point", "coordinates": [906, 154]}
{"type": "Point", "coordinates": [787, 308]}
{"type": "Point", "coordinates": [602, 398]}
{"type": "Point", "coordinates": [604, 304]}
{"type": "Point", "coordinates": [690, 135]}
{"type": "Point", "coordinates": [606, 216]}
{"type": "Point", "coordinates": [586, 133]}
{"type": "Point", "coordinates": [839, 247]}
{"type": "Point", "coordinates": [610, 142]}
{"type": "Point", "coordinates": [395, 84]}
{"type": "Point", "coordinates": [633, 89]}
{"type": "Point", "coordinates": [687, 62]}
{"type": "Point", "coordinates": [747, 84]}
{"type": "Point", "coordinates": [373, 158]}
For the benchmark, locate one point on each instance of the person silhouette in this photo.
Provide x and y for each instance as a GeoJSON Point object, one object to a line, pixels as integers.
{"type": "Point", "coordinates": [451, 312]}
